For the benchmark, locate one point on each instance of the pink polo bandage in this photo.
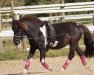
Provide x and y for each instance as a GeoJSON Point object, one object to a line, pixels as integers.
{"type": "Point", "coordinates": [83, 59]}
{"type": "Point", "coordinates": [27, 64]}
{"type": "Point", "coordinates": [45, 65]}
{"type": "Point", "coordinates": [67, 62]}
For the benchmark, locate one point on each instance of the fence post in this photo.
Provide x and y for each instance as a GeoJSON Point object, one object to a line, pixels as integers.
{"type": "Point", "coordinates": [14, 16]}
{"type": "Point", "coordinates": [51, 19]}
{"type": "Point", "coordinates": [24, 43]}
{"type": "Point", "coordinates": [93, 19]}
{"type": "Point", "coordinates": [1, 44]}
{"type": "Point", "coordinates": [12, 9]}
{"type": "Point", "coordinates": [62, 19]}
{"type": "Point", "coordinates": [93, 25]}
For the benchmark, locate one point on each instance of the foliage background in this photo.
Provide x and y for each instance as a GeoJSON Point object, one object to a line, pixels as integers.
{"type": "Point", "coordinates": [6, 3]}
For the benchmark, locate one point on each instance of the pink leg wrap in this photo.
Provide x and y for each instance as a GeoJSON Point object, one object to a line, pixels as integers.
{"type": "Point", "coordinates": [83, 59]}
{"type": "Point", "coordinates": [27, 64]}
{"type": "Point", "coordinates": [67, 62]}
{"type": "Point", "coordinates": [45, 65]}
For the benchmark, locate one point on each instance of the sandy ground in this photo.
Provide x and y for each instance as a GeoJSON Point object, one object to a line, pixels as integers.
{"type": "Point", "coordinates": [75, 68]}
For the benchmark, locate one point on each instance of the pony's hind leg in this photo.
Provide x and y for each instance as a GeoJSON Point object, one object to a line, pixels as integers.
{"type": "Point", "coordinates": [28, 60]}
{"type": "Point", "coordinates": [82, 56]}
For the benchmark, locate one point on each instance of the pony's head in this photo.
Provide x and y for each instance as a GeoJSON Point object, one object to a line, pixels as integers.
{"type": "Point", "coordinates": [18, 32]}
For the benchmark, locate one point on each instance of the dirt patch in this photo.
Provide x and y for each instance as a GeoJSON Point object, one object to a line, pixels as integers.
{"type": "Point", "coordinates": [75, 68]}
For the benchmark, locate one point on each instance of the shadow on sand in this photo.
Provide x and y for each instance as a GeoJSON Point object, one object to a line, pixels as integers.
{"type": "Point", "coordinates": [27, 73]}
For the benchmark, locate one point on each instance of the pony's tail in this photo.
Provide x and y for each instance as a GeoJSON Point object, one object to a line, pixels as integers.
{"type": "Point", "coordinates": [88, 41]}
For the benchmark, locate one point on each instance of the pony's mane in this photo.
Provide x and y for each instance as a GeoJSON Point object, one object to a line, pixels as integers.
{"type": "Point", "coordinates": [32, 19]}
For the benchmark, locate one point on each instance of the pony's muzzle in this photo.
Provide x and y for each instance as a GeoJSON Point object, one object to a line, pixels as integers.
{"type": "Point", "coordinates": [16, 41]}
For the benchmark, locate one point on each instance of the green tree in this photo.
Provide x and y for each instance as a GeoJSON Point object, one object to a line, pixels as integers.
{"type": "Point", "coordinates": [71, 1]}
{"type": "Point", "coordinates": [30, 2]}
{"type": "Point", "coordinates": [7, 3]}
{"type": "Point", "coordinates": [41, 2]}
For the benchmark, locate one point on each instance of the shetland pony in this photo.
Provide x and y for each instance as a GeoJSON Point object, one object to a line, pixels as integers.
{"type": "Point", "coordinates": [44, 36]}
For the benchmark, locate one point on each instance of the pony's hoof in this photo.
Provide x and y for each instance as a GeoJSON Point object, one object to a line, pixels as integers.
{"type": "Point", "coordinates": [62, 69]}
{"type": "Point", "coordinates": [24, 72]}
{"type": "Point", "coordinates": [87, 67]}
{"type": "Point", "coordinates": [50, 69]}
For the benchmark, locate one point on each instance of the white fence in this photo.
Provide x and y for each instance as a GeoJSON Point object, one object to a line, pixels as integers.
{"type": "Point", "coordinates": [50, 9]}
{"type": "Point", "coordinates": [9, 33]}
{"type": "Point", "coordinates": [54, 8]}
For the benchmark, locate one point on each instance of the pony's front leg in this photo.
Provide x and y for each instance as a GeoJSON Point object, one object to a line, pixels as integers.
{"type": "Point", "coordinates": [28, 61]}
{"type": "Point", "coordinates": [70, 57]}
{"type": "Point", "coordinates": [42, 60]}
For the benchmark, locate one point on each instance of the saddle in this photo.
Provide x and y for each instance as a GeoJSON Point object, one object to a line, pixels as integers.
{"type": "Point", "coordinates": [51, 34]}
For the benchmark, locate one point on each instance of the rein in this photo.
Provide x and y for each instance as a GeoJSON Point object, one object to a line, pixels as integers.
{"type": "Point", "coordinates": [37, 37]}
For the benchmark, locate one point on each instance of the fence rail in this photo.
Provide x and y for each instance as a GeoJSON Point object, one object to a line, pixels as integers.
{"type": "Point", "coordinates": [68, 17]}
{"type": "Point", "coordinates": [53, 8]}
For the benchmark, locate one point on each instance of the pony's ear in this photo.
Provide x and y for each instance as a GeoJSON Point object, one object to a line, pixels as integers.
{"type": "Point", "coordinates": [14, 22]}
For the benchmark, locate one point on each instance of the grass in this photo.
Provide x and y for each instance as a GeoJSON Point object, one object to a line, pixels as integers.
{"type": "Point", "coordinates": [10, 52]}
{"type": "Point", "coordinates": [22, 54]}
{"type": "Point", "coordinates": [13, 55]}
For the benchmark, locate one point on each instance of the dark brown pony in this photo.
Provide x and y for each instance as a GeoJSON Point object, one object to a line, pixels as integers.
{"type": "Point", "coordinates": [63, 34]}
